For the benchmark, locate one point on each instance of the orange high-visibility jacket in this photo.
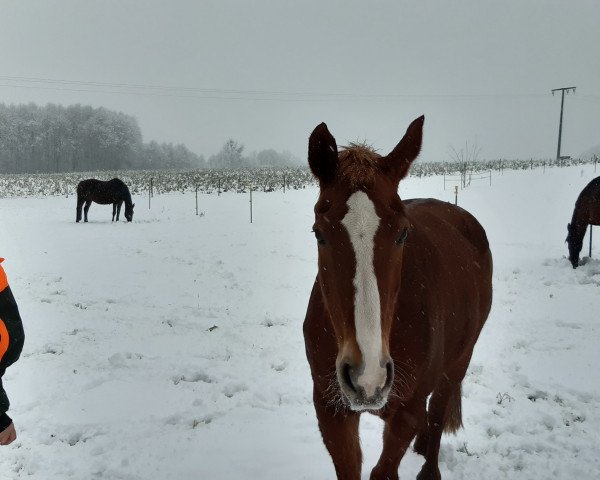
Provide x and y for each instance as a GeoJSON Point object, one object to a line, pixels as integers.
{"type": "Point", "coordinates": [11, 340]}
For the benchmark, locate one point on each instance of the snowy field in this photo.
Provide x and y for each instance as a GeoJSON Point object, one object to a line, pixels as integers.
{"type": "Point", "coordinates": [171, 347]}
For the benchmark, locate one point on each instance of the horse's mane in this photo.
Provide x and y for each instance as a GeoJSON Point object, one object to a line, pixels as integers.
{"type": "Point", "coordinates": [359, 164]}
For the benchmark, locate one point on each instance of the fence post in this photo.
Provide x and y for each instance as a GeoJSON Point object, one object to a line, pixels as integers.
{"type": "Point", "coordinates": [196, 199]}
{"type": "Point", "coordinates": [250, 204]}
{"type": "Point", "coordinates": [219, 188]}
{"type": "Point", "coordinates": [455, 194]}
{"type": "Point", "coordinates": [490, 177]}
{"type": "Point", "coordinates": [284, 183]}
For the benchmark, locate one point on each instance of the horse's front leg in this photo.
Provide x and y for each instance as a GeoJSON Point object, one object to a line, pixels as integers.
{"type": "Point", "coordinates": [119, 209]}
{"type": "Point", "coordinates": [78, 210]}
{"type": "Point", "coordinates": [114, 212]}
{"type": "Point", "coordinates": [400, 428]}
{"type": "Point", "coordinates": [85, 210]}
{"type": "Point", "coordinates": [339, 429]}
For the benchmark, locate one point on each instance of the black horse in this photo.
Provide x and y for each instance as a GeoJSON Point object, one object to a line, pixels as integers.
{"type": "Point", "coordinates": [587, 212]}
{"type": "Point", "coordinates": [113, 191]}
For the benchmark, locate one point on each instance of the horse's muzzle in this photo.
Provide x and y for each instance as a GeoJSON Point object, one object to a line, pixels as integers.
{"type": "Point", "coordinates": [362, 393]}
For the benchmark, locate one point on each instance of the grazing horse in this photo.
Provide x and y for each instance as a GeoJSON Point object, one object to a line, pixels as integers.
{"type": "Point", "coordinates": [402, 291]}
{"type": "Point", "coordinates": [587, 211]}
{"type": "Point", "coordinates": [113, 191]}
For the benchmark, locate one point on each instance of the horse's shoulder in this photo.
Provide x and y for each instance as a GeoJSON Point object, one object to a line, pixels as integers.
{"type": "Point", "coordinates": [592, 188]}
{"type": "Point", "coordinates": [587, 198]}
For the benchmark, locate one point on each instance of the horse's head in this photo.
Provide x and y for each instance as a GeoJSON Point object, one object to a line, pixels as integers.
{"type": "Point", "coordinates": [361, 228]}
{"type": "Point", "coordinates": [575, 243]}
{"type": "Point", "coordinates": [129, 212]}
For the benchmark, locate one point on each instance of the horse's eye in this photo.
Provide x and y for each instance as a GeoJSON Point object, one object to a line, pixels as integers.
{"type": "Point", "coordinates": [319, 237]}
{"type": "Point", "coordinates": [402, 238]}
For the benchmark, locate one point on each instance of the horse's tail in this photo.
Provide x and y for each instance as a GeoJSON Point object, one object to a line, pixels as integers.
{"type": "Point", "coordinates": [453, 414]}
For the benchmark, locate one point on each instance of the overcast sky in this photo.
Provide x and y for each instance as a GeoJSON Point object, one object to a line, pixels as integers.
{"type": "Point", "coordinates": [267, 72]}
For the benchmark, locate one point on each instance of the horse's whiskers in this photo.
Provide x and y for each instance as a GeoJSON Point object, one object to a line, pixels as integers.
{"type": "Point", "coordinates": [333, 394]}
{"type": "Point", "coordinates": [402, 378]}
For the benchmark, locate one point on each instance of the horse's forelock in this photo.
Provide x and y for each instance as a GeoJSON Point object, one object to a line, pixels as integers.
{"type": "Point", "coordinates": [359, 165]}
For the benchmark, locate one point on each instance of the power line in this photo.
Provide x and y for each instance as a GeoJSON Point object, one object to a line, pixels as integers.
{"type": "Point", "coordinates": [228, 94]}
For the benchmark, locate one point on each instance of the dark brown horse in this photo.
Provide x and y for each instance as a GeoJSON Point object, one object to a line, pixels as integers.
{"type": "Point", "coordinates": [113, 192]}
{"type": "Point", "coordinates": [587, 212]}
{"type": "Point", "coordinates": [402, 291]}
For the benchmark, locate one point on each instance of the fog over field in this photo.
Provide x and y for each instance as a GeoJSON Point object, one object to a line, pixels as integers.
{"type": "Point", "coordinates": [266, 73]}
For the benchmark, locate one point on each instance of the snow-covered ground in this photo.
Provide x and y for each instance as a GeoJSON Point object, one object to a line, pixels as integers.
{"type": "Point", "coordinates": [171, 348]}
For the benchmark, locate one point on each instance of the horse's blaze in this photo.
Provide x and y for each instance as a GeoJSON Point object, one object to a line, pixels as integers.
{"type": "Point", "coordinates": [361, 223]}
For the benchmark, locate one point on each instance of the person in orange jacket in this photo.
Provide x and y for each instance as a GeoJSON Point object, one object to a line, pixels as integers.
{"type": "Point", "coordinates": [11, 344]}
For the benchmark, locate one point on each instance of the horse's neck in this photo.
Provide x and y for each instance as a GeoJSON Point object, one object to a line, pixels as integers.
{"type": "Point", "coordinates": [579, 221]}
{"type": "Point", "coordinates": [128, 201]}
{"type": "Point", "coordinates": [579, 225]}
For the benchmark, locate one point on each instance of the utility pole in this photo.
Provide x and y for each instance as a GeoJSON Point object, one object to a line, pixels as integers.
{"type": "Point", "coordinates": [562, 103]}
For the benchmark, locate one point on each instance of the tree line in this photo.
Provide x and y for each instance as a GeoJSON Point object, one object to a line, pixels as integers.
{"type": "Point", "coordinates": [79, 138]}
{"type": "Point", "coordinates": [54, 138]}
{"type": "Point", "coordinates": [231, 156]}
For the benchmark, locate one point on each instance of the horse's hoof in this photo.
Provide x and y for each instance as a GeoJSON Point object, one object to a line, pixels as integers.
{"type": "Point", "coordinates": [379, 474]}
{"type": "Point", "coordinates": [428, 473]}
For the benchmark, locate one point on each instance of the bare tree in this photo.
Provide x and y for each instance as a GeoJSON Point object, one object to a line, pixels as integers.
{"type": "Point", "coordinates": [464, 158]}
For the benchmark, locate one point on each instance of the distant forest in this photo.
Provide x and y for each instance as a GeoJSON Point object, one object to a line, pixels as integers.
{"type": "Point", "coordinates": [78, 138]}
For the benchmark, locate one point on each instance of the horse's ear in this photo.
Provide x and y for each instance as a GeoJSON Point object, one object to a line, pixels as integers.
{"type": "Point", "coordinates": [322, 154]}
{"type": "Point", "coordinates": [407, 150]}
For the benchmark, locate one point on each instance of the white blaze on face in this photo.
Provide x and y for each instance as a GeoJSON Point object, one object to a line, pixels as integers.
{"type": "Point", "coordinates": [362, 223]}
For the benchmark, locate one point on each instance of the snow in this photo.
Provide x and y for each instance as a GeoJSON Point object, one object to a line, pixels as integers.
{"type": "Point", "coordinates": [123, 375]}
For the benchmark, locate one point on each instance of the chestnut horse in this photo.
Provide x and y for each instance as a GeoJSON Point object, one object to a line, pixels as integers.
{"type": "Point", "coordinates": [586, 212]}
{"type": "Point", "coordinates": [402, 291]}
{"type": "Point", "coordinates": [113, 192]}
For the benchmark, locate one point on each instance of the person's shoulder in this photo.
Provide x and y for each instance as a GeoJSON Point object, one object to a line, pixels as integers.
{"type": "Point", "coordinates": [3, 279]}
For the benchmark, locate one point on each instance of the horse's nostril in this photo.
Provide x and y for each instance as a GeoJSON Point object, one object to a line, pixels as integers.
{"type": "Point", "coordinates": [347, 376]}
{"type": "Point", "coordinates": [389, 368]}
